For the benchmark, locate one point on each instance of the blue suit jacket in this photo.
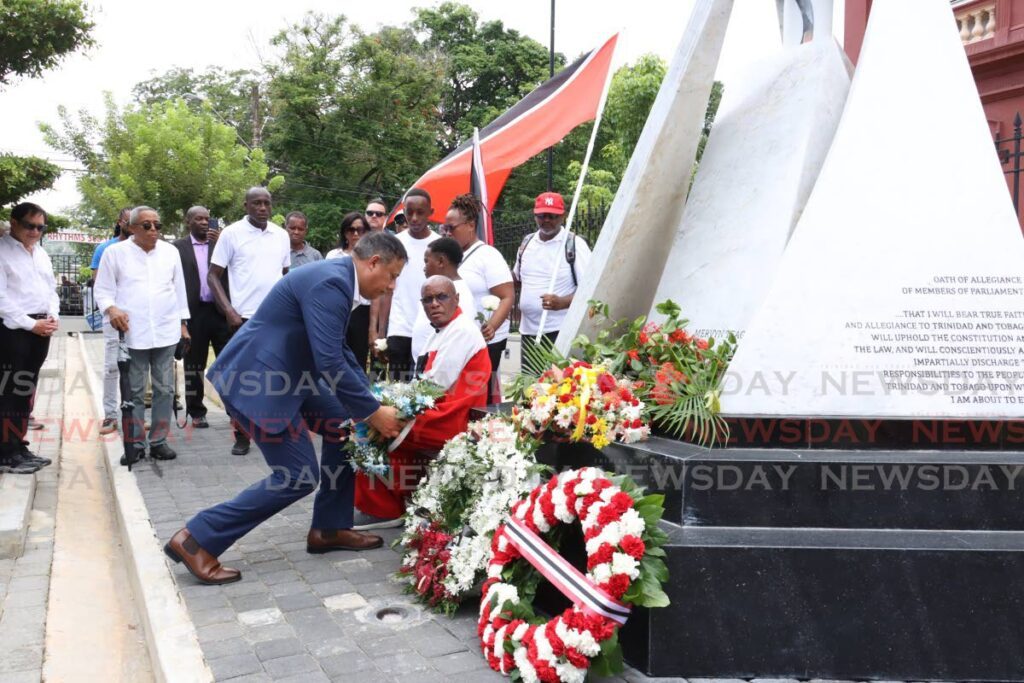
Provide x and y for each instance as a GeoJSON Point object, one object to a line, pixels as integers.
{"type": "Point", "coordinates": [294, 347]}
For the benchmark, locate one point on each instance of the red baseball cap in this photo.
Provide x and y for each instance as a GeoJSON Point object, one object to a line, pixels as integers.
{"type": "Point", "coordinates": [549, 202]}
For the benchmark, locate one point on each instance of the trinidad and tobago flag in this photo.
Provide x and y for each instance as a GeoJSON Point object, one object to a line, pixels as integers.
{"type": "Point", "coordinates": [533, 124]}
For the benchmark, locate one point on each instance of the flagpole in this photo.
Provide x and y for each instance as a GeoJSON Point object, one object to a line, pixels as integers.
{"type": "Point", "coordinates": [579, 189]}
{"type": "Point", "coordinates": [551, 74]}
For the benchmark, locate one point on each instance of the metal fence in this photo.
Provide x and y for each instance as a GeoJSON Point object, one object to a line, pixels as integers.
{"type": "Point", "coordinates": [72, 294]}
{"type": "Point", "coordinates": [1009, 150]}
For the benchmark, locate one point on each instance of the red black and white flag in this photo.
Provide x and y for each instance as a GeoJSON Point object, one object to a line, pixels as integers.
{"type": "Point", "coordinates": [533, 124]}
{"type": "Point", "coordinates": [478, 188]}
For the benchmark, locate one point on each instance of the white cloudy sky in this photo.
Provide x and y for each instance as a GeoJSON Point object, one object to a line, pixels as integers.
{"type": "Point", "coordinates": [136, 38]}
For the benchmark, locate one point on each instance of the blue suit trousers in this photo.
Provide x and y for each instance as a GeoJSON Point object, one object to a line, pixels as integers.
{"type": "Point", "coordinates": [294, 474]}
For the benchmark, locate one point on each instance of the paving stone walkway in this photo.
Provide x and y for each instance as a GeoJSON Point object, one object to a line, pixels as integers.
{"type": "Point", "coordinates": [25, 581]}
{"type": "Point", "coordinates": [295, 616]}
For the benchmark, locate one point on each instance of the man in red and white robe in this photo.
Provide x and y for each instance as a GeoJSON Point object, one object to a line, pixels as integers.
{"type": "Point", "coordinates": [456, 358]}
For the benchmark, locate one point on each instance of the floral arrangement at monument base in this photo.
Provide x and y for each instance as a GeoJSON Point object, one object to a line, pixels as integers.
{"type": "Point", "coordinates": [581, 402]}
{"type": "Point", "coordinates": [676, 374]}
{"type": "Point", "coordinates": [368, 450]}
{"type": "Point", "coordinates": [467, 492]}
{"type": "Point", "coordinates": [624, 569]}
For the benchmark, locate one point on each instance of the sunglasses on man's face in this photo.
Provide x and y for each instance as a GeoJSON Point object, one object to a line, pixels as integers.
{"type": "Point", "coordinates": [440, 298]}
{"type": "Point", "coordinates": [39, 227]}
{"type": "Point", "coordinates": [374, 214]}
{"type": "Point", "coordinates": [151, 225]}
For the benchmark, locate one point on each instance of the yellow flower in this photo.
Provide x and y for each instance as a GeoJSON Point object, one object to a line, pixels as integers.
{"type": "Point", "coordinates": [599, 441]}
{"type": "Point", "coordinates": [601, 426]}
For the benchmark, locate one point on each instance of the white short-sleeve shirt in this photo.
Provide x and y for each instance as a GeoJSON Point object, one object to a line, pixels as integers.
{"type": "Point", "coordinates": [483, 267]}
{"type": "Point", "coordinates": [534, 270]}
{"type": "Point", "coordinates": [405, 302]}
{"type": "Point", "coordinates": [254, 260]}
{"type": "Point", "coordinates": [422, 330]}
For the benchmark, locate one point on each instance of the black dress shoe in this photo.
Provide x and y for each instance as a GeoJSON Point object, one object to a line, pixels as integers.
{"type": "Point", "coordinates": [13, 463]}
{"type": "Point", "coordinates": [29, 456]}
{"type": "Point", "coordinates": [200, 422]}
{"type": "Point", "coordinates": [241, 447]}
{"type": "Point", "coordinates": [162, 452]}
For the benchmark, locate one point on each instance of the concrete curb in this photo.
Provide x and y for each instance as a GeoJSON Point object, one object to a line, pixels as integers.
{"type": "Point", "coordinates": [17, 492]}
{"type": "Point", "coordinates": [174, 650]}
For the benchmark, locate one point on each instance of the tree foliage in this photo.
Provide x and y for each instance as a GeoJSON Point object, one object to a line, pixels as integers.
{"type": "Point", "coordinates": [21, 176]}
{"type": "Point", "coordinates": [165, 155]}
{"type": "Point", "coordinates": [36, 34]}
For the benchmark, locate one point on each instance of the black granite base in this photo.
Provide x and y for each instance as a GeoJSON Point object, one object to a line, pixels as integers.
{"type": "Point", "coordinates": [829, 564]}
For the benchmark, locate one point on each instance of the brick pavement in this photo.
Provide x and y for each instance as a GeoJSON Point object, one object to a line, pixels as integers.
{"type": "Point", "coordinates": [295, 616]}
{"type": "Point", "coordinates": [25, 581]}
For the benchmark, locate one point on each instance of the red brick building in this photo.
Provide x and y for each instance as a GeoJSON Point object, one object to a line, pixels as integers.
{"type": "Point", "coordinates": [993, 35]}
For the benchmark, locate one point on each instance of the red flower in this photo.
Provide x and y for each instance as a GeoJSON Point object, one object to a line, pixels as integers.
{"type": "Point", "coordinates": [566, 373]}
{"type": "Point", "coordinates": [603, 554]}
{"type": "Point", "coordinates": [591, 419]}
{"type": "Point", "coordinates": [633, 546]}
{"type": "Point", "coordinates": [565, 398]}
{"type": "Point", "coordinates": [608, 514]}
{"type": "Point", "coordinates": [679, 336]}
{"type": "Point", "coordinates": [702, 344]}
{"type": "Point", "coordinates": [637, 424]}
{"type": "Point", "coordinates": [643, 338]}
{"type": "Point", "coordinates": [617, 585]}
{"type": "Point", "coordinates": [622, 501]}
{"type": "Point", "coordinates": [633, 354]}
{"type": "Point", "coordinates": [576, 659]}
{"type": "Point", "coordinates": [606, 382]}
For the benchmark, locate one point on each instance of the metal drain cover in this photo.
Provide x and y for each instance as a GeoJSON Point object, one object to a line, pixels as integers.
{"type": "Point", "coordinates": [391, 613]}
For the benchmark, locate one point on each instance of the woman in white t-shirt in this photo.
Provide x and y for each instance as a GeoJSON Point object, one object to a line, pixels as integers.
{"type": "Point", "coordinates": [485, 271]}
{"type": "Point", "coordinates": [353, 226]}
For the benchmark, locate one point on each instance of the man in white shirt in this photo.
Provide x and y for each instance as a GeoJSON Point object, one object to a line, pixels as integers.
{"type": "Point", "coordinates": [110, 376]}
{"type": "Point", "coordinates": [256, 254]}
{"type": "Point", "coordinates": [405, 301]}
{"type": "Point", "coordinates": [442, 258]}
{"type": "Point", "coordinates": [29, 307]}
{"type": "Point", "coordinates": [552, 249]}
{"type": "Point", "coordinates": [141, 290]}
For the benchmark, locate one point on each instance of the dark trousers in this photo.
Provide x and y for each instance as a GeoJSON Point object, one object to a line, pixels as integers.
{"type": "Point", "coordinates": [358, 336]}
{"type": "Point", "coordinates": [495, 351]}
{"type": "Point", "coordinates": [529, 341]}
{"type": "Point", "coordinates": [294, 475]}
{"type": "Point", "coordinates": [207, 327]}
{"type": "Point", "coordinates": [400, 361]}
{"type": "Point", "coordinates": [21, 356]}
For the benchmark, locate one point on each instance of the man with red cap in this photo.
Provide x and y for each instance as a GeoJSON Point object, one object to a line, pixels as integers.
{"type": "Point", "coordinates": [551, 251]}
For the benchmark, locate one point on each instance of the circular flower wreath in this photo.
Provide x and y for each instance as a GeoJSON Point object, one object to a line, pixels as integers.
{"type": "Point", "coordinates": [623, 559]}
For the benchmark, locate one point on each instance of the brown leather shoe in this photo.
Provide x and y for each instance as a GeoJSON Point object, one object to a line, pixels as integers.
{"type": "Point", "coordinates": [184, 548]}
{"type": "Point", "coordinates": [320, 541]}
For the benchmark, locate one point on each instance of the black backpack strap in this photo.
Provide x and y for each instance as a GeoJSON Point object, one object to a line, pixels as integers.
{"type": "Point", "coordinates": [518, 265]}
{"type": "Point", "coordinates": [570, 256]}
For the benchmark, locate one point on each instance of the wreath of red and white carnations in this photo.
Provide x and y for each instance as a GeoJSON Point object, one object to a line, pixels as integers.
{"type": "Point", "coordinates": [624, 568]}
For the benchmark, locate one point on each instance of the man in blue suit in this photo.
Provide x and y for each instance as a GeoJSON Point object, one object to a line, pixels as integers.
{"type": "Point", "coordinates": [285, 373]}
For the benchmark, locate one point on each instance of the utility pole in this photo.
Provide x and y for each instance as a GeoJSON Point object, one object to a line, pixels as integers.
{"type": "Point", "coordinates": [551, 74]}
{"type": "Point", "coordinates": [254, 107]}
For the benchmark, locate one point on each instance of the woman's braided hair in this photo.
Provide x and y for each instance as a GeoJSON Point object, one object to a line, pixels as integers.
{"type": "Point", "coordinates": [468, 206]}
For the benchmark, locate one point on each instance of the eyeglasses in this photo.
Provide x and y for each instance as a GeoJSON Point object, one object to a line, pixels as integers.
{"type": "Point", "coordinates": [151, 225]}
{"type": "Point", "coordinates": [40, 227]}
{"type": "Point", "coordinates": [374, 214]}
{"type": "Point", "coordinates": [448, 228]}
{"type": "Point", "coordinates": [440, 298]}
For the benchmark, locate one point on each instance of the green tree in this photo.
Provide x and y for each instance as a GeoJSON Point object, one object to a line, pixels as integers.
{"type": "Point", "coordinates": [21, 176]}
{"type": "Point", "coordinates": [354, 115]}
{"type": "Point", "coordinates": [229, 95]}
{"type": "Point", "coordinates": [36, 34]}
{"type": "Point", "coordinates": [488, 68]}
{"type": "Point", "coordinates": [166, 156]}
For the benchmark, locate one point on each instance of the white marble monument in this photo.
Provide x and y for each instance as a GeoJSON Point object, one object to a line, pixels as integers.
{"type": "Point", "coordinates": [901, 292]}
{"type": "Point", "coordinates": [651, 196]}
{"type": "Point", "coordinates": [771, 135]}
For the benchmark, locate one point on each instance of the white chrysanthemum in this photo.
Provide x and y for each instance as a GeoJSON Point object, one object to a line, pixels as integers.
{"type": "Point", "coordinates": [526, 669]}
{"type": "Point", "coordinates": [569, 673]}
{"type": "Point", "coordinates": [584, 488]}
{"type": "Point", "coordinates": [562, 511]}
{"type": "Point", "coordinates": [601, 573]}
{"type": "Point", "coordinates": [625, 564]}
{"type": "Point", "coordinates": [590, 473]}
{"type": "Point", "coordinates": [520, 631]}
{"type": "Point", "coordinates": [582, 641]}
{"type": "Point", "coordinates": [499, 645]}
{"type": "Point", "coordinates": [544, 650]}
{"type": "Point", "coordinates": [632, 523]}
{"type": "Point", "coordinates": [592, 514]}
{"type": "Point", "coordinates": [610, 534]}
{"type": "Point", "coordinates": [538, 519]}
